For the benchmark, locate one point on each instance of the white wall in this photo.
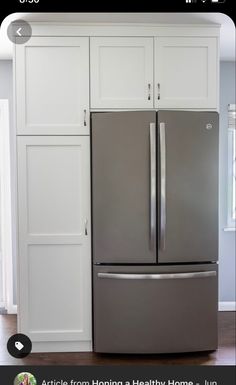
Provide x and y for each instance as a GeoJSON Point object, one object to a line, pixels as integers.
{"type": "Point", "coordinates": [6, 92]}
{"type": "Point", "coordinates": [226, 239]}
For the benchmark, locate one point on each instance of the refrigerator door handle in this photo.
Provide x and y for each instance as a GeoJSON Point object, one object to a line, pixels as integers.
{"type": "Point", "coordinates": [153, 186]}
{"type": "Point", "coordinates": [163, 185]}
{"type": "Point", "coordinates": [198, 274]}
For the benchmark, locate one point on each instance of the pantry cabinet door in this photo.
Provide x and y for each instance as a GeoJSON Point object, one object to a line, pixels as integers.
{"type": "Point", "coordinates": [121, 72]}
{"type": "Point", "coordinates": [54, 257]}
{"type": "Point", "coordinates": [186, 72]}
{"type": "Point", "coordinates": [52, 86]}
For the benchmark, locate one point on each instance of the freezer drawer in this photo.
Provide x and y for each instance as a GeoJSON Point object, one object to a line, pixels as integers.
{"type": "Point", "coordinates": [155, 309]}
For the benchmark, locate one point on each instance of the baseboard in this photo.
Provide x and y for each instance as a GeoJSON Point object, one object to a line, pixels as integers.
{"type": "Point", "coordinates": [223, 306]}
{"type": "Point", "coordinates": [61, 346]}
{"type": "Point", "coordinates": [227, 306]}
{"type": "Point", "coordinates": [12, 309]}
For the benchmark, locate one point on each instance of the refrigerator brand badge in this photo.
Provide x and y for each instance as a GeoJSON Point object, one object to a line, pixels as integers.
{"type": "Point", "coordinates": [209, 126]}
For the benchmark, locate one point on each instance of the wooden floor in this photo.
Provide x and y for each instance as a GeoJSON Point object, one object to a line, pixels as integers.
{"type": "Point", "coordinates": [225, 355]}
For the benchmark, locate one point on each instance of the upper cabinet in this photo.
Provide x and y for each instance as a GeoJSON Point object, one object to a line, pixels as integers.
{"type": "Point", "coordinates": [52, 86]}
{"type": "Point", "coordinates": [186, 72]}
{"type": "Point", "coordinates": [58, 78]}
{"type": "Point", "coordinates": [185, 68]}
{"type": "Point", "coordinates": [121, 72]}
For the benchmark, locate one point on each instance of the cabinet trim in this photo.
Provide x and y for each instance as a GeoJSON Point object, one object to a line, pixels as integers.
{"type": "Point", "coordinates": [61, 346]}
{"type": "Point", "coordinates": [123, 29]}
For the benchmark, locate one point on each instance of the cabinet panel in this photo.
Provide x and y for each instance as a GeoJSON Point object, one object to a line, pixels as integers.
{"type": "Point", "coordinates": [52, 86]}
{"type": "Point", "coordinates": [52, 169]}
{"type": "Point", "coordinates": [55, 277]}
{"type": "Point", "coordinates": [186, 72]}
{"type": "Point", "coordinates": [121, 72]}
{"type": "Point", "coordinates": [54, 256]}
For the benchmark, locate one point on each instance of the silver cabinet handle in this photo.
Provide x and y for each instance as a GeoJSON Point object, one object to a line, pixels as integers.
{"type": "Point", "coordinates": [163, 186]}
{"type": "Point", "coordinates": [86, 227]}
{"type": "Point", "coordinates": [158, 91]}
{"type": "Point", "coordinates": [149, 91]}
{"type": "Point", "coordinates": [85, 122]}
{"type": "Point", "coordinates": [201, 274]}
{"type": "Point", "coordinates": [152, 186]}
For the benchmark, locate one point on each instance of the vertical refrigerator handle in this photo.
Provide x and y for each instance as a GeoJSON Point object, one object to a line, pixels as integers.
{"type": "Point", "coordinates": [153, 186]}
{"type": "Point", "coordinates": [162, 185]}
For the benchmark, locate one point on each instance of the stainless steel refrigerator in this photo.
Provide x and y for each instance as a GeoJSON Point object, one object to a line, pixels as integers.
{"type": "Point", "coordinates": [155, 231]}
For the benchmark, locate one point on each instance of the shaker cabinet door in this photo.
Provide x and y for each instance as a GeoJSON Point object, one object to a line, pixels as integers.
{"type": "Point", "coordinates": [54, 255]}
{"type": "Point", "coordinates": [52, 86]}
{"type": "Point", "coordinates": [121, 72]}
{"type": "Point", "coordinates": [186, 73]}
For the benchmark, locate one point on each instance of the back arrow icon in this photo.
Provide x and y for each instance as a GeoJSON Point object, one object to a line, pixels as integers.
{"type": "Point", "coordinates": [18, 31]}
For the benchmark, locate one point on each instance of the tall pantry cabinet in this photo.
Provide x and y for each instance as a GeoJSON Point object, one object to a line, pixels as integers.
{"type": "Point", "coordinates": [62, 74]}
{"type": "Point", "coordinates": [54, 237]}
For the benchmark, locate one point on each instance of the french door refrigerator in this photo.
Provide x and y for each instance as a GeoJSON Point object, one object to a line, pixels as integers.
{"type": "Point", "coordinates": [155, 231]}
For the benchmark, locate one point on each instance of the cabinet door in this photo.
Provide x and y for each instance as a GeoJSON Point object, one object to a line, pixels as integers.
{"type": "Point", "coordinates": [52, 86]}
{"type": "Point", "coordinates": [121, 72]}
{"type": "Point", "coordinates": [186, 72]}
{"type": "Point", "coordinates": [54, 256]}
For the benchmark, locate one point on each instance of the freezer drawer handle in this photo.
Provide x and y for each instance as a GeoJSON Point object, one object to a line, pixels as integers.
{"type": "Point", "coordinates": [163, 186]}
{"type": "Point", "coordinates": [153, 186]}
{"type": "Point", "coordinates": [200, 274]}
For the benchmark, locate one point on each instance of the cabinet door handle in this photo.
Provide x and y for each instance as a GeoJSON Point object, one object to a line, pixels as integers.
{"type": "Point", "coordinates": [149, 91]}
{"type": "Point", "coordinates": [85, 123]}
{"type": "Point", "coordinates": [158, 91]}
{"type": "Point", "coordinates": [86, 227]}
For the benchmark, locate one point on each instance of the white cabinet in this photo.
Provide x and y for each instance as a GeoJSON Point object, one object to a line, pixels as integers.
{"type": "Point", "coordinates": [52, 86]}
{"type": "Point", "coordinates": [121, 72]}
{"type": "Point", "coordinates": [186, 72]}
{"type": "Point", "coordinates": [54, 258]}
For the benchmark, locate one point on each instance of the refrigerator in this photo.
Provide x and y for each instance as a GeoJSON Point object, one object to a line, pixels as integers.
{"type": "Point", "coordinates": [154, 231]}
